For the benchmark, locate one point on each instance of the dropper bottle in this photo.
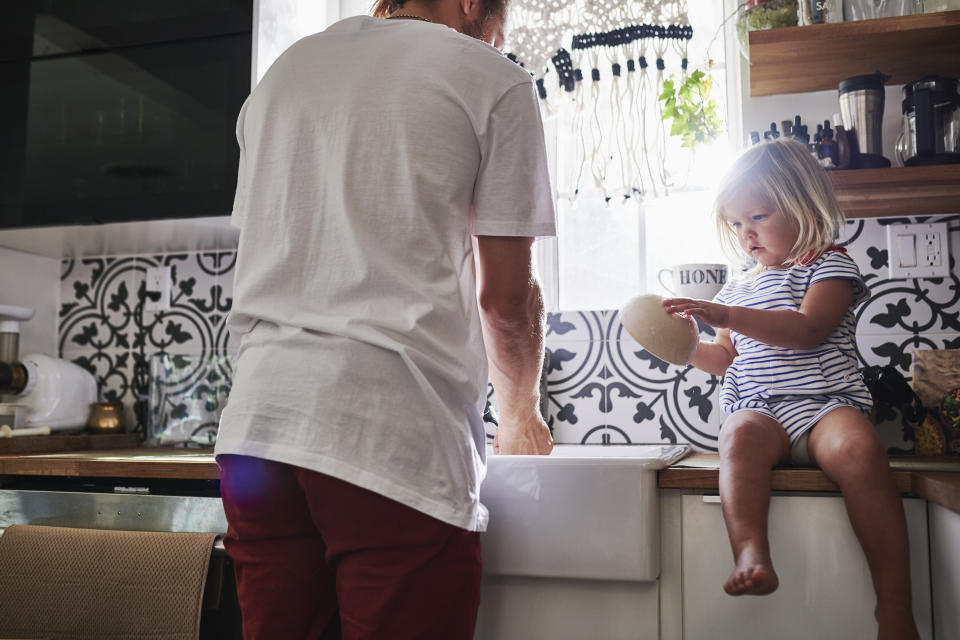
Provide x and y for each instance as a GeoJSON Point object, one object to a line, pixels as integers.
{"type": "Point", "coordinates": [842, 137]}
{"type": "Point", "coordinates": [827, 149]}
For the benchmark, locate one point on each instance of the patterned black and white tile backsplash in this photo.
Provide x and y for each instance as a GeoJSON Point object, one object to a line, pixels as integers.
{"type": "Point", "coordinates": [603, 387]}
{"type": "Point", "coordinates": [104, 325]}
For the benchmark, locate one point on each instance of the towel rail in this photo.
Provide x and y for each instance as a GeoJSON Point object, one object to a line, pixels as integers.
{"type": "Point", "coordinates": [218, 549]}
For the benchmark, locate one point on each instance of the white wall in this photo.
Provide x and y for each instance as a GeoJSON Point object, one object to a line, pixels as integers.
{"type": "Point", "coordinates": [28, 280]}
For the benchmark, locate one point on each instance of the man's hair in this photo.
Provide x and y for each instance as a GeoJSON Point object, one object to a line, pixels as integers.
{"type": "Point", "coordinates": [384, 8]}
{"type": "Point", "coordinates": [784, 175]}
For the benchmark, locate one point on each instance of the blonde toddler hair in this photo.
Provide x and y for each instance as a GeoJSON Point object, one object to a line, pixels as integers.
{"type": "Point", "coordinates": [785, 175]}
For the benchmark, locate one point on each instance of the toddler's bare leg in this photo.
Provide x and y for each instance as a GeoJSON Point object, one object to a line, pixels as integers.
{"type": "Point", "coordinates": [750, 445]}
{"type": "Point", "coordinates": [845, 444]}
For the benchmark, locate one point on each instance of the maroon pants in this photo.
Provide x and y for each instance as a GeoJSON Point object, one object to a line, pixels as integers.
{"type": "Point", "coordinates": [317, 557]}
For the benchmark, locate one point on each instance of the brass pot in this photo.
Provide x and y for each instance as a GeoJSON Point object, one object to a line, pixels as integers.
{"type": "Point", "coordinates": [106, 417]}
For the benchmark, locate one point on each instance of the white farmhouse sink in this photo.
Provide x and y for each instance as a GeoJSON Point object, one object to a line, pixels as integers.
{"type": "Point", "coordinates": [584, 511]}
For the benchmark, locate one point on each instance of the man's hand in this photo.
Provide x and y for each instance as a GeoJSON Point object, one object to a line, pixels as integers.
{"type": "Point", "coordinates": [527, 437]}
{"type": "Point", "coordinates": [712, 313]}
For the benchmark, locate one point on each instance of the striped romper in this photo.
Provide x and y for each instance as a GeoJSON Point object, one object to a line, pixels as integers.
{"type": "Point", "coordinates": [794, 387]}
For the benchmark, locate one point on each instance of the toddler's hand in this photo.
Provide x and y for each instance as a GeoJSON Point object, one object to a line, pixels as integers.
{"type": "Point", "coordinates": [712, 313]}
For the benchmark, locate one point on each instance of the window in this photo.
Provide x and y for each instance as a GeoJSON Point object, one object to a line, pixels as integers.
{"type": "Point", "coordinates": [611, 247]}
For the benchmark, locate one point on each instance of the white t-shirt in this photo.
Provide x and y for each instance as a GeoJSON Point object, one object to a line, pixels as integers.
{"type": "Point", "coordinates": [369, 155]}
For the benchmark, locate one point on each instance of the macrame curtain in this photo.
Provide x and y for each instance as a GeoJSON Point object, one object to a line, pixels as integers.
{"type": "Point", "coordinates": [609, 59]}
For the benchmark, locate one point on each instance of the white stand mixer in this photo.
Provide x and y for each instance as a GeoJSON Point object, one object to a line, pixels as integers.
{"type": "Point", "coordinates": [53, 392]}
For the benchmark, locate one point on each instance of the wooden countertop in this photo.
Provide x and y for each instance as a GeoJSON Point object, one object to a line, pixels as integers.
{"type": "Point", "coordinates": [935, 479]}
{"type": "Point", "coordinates": [143, 462]}
{"type": "Point", "coordinates": [940, 488]}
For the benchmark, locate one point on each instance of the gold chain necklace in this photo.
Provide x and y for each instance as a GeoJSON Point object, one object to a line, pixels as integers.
{"type": "Point", "coordinates": [409, 15]}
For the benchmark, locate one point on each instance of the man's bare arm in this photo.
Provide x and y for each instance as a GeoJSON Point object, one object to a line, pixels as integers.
{"type": "Point", "coordinates": [512, 315]}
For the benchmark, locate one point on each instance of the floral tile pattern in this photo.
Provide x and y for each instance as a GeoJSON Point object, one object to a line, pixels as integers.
{"type": "Point", "coordinates": [197, 308]}
{"type": "Point", "coordinates": [576, 326]}
{"type": "Point", "coordinates": [97, 304]}
{"type": "Point", "coordinates": [104, 325]}
{"type": "Point", "coordinates": [603, 387]}
{"type": "Point", "coordinates": [611, 391]}
{"type": "Point", "coordinates": [664, 402]}
{"type": "Point", "coordinates": [578, 398]}
{"type": "Point", "coordinates": [115, 373]}
{"type": "Point", "coordinates": [916, 306]}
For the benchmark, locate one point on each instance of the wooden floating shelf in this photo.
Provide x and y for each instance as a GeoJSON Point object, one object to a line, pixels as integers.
{"type": "Point", "coordinates": [817, 57]}
{"type": "Point", "coordinates": [901, 191]}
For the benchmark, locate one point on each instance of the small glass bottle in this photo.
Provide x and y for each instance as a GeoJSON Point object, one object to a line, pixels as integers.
{"type": "Point", "coordinates": [842, 138]}
{"type": "Point", "coordinates": [827, 149]}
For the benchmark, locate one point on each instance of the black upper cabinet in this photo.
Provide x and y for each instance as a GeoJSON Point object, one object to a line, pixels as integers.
{"type": "Point", "coordinates": [40, 28]}
{"type": "Point", "coordinates": [120, 110]}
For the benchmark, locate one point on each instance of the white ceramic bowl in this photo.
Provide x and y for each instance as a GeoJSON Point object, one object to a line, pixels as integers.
{"type": "Point", "coordinates": [668, 336]}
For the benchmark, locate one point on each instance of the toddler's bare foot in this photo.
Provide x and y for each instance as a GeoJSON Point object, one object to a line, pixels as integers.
{"type": "Point", "coordinates": [752, 575]}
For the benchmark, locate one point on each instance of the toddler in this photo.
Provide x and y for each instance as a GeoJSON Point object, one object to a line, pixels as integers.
{"type": "Point", "coordinates": [792, 388]}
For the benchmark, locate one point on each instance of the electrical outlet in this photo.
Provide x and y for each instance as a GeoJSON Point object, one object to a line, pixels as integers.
{"type": "Point", "coordinates": [930, 246]}
{"type": "Point", "coordinates": [918, 250]}
{"type": "Point", "coordinates": [157, 289]}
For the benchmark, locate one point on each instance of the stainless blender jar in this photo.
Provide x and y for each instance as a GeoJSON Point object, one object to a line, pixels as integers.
{"type": "Point", "coordinates": [861, 105]}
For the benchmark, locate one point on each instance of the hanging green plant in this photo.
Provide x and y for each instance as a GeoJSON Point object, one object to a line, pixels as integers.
{"type": "Point", "coordinates": [693, 111]}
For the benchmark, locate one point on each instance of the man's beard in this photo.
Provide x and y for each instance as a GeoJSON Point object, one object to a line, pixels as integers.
{"type": "Point", "coordinates": [474, 29]}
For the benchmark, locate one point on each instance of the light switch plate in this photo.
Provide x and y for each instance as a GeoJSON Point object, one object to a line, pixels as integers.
{"type": "Point", "coordinates": [157, 289]}
{"type": "Point", "coordinates": [918, 250]}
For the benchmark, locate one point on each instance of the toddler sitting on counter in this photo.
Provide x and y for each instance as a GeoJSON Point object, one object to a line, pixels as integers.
{"type": "Point", "coordinates": [792, 389]}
